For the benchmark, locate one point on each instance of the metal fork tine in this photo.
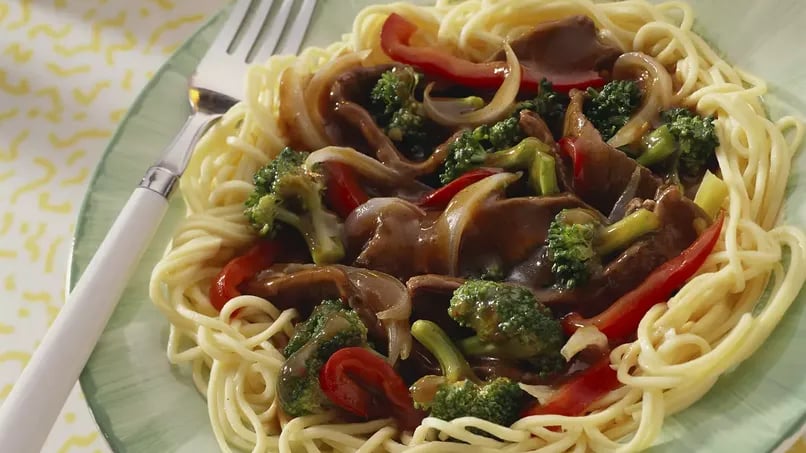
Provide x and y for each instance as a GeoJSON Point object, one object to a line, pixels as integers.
{"type": "Point", "coordinates": [230, 28]}
{"type": "Point", "coordinates": [297, 32]}
{"type": "Point", "coordinates": [274, 32]}
{"type": "Point", "coordinates": [260, 14]}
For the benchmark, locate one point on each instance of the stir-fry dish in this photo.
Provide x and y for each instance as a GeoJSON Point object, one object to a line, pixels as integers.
{"type": "Point", "coordinates": [476, 244]}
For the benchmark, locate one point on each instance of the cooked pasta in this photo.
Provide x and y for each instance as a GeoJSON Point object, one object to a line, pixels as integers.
{"type": "Point", "coordinates": [717, 320]}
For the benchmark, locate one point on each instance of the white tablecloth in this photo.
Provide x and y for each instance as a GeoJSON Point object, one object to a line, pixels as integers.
{"type": "Point", "coordinates": [68, 71]}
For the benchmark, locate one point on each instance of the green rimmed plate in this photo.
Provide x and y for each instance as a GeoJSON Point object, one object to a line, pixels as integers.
{"type": "Point", "coordinates": [142, 404]}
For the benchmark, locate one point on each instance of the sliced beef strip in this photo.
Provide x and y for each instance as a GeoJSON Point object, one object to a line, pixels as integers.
{"type": "Point", "coordinates": [305, 286]}
{"type": "Point", "coordinates": [349, 123]}
{"type": "Point", "coordinates": [353, 86]}
{"type": "Point", "coordinates": [564, 49]}
{"type": "Point", "coordinates": [430, 297]}
{"type": "Point", "coordinates": [631, 267]}
{"type": "Point", "coordinates": [506, 232]}
{"type": "Point", "coordinates": [402, 242]}
{"type": "Point", "coordinates": [605, 171]}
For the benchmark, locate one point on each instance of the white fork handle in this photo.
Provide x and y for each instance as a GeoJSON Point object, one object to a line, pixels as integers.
{"type": "Point", "coordinates": [28, 413]}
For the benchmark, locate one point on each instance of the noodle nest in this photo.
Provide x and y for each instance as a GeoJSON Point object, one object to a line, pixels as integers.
{"type": "Point", "coordinates": [713, 323]}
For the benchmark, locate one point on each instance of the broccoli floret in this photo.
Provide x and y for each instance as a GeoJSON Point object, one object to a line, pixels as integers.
{"type": "Point", "coordinates": [493, 272]}
{"type": "Point", "coordinates": [504, 133]}
{"type": "Point", "coordinates": [577, 240]}
{"type": "Point", "coordinates": [549, 104]}
{"type": "Point", "coordinates": [397, 111]}
{"type": "Point", "coordinates": [696, 138]}
{"type": "Point", "coordinates": [298, 384]}
{"type": "Point", "coordinates": [286, 193]}
{"type": "Point", "coordinates": [610, 109]}
{"type": "Point", "coordinates": [471, 148]}
{"type": "Point", "coordinates": [393, 90]}
{"type": "Point", "coordinates": [304, 331]}
{"type": "Point", "coordinates": [406, 125]}
{"type": "Point", "coordinates": [508, 320]}
{"type": "Point", "coordinates": [498, 401]}
{"type": "Point", "coordinates": [461, 393]}
{"type": "Point", "coordinates": [465, 153]}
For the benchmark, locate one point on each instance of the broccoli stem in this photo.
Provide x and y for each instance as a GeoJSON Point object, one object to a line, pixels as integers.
{"type": "Point", "coordinates": [532, 155]}
{"type": "Point", "coordinates": [624, 232]}
{"type": "Point", "coordinates": [544, 172]}
{"type": "Point", "coordinates": [453, 363]}
{"type": "Point", "coordinates": [510, 349]}
{"type": "Point", "coordinates": [711, 194]}
{"type": "Point", "coordinates": [658, 145]}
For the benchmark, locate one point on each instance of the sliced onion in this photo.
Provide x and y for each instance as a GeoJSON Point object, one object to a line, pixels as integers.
{"type": "Point", "coordinates": [542, 393]}
{"type": "Point", "coordinates": [498, 107]}
{"type": "Point", "coordinates": [319, 86]}
{"type": "Point", "coordinates": [582, 339]}
{"type": "Point", "coordinates": [620, 208]}
{"type": "Point", "coordinates": [364, 219]}
{"type": "Point", "coordinates": [658, 94]}
{"type": "Point", "coordinates": [365, 165]}
{"type": "Point", "coordinates": [389, 299]}
{"type": "Point", "coordinates": [424, 389]}
{"type": "Point", "coordinates": [457, 216]}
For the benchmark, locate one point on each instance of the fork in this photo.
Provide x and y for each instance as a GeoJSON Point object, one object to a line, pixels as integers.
{"type": "Point", "coordinates": [28, 413]}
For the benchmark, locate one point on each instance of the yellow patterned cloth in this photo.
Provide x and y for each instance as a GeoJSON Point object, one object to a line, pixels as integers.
{"type": "Point", "coordinates": [68, 71]}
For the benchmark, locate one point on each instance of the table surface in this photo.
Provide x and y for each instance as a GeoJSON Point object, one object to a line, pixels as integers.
{"type": "Point", "coordinates": [68, 71]}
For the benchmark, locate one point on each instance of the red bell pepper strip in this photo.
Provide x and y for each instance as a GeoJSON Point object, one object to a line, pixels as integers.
{"type": "Point", "coordinates": [343, 192]}
{"type": "Point", "coordinates": [576, 395]}
{"type": "Point", "coordinates": [351, 374]}
{"type": "Point", "coordinates": [620, 321]}
{"type": "Point", "coordinates": [569, 147]}
{"type": "Point", "coordinates": [240, 269]}
{"type": "Point", "coordinates": [396, 34]}
{"type": "Point", "coordinates": [440, 197]}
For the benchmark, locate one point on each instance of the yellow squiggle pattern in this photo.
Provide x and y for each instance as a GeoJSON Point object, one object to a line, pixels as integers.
{"type": "Point", "coordinates": [111, 51]}
{"type": "Point", "coordinates": [15, 356]}
{"type": "Point", "coordinates": [14, 148]}
{"type": "Point", "coordinates": [9, 114]}
{"type": "Point", "coordinates": [50, 257]}
{"type": "Point", "coordinates": [17, 89]}
{"type": "Point", "coordinates": [78, 441]}
{"type": "Point", "coordinates": [50, 171]}
{"type": "Point", "coordinates": [18, 53]}
{"type": "Point", "coordinates": [31, 243]}
{"type": "Point", "coordinates": [77, 137]}
{"type": "Point", "coordinates": [70, 70]}
{"type": "Point", "coordinates": [49, 31]}
{"type": "Point", "coordinates": [57, 106]}
{"type": "Point", "coordinates": [57, 69]}
{"type": "Point", "coordinates": [26, 15]}
{"type": "Point", "coordinates": [86, 97]}
{"type": "Point", "coordinates": [95, 41]}
{"type": "Point", "coordinates": [45, 204]}
{"type": "Point", "coordinates": [171, 25]}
